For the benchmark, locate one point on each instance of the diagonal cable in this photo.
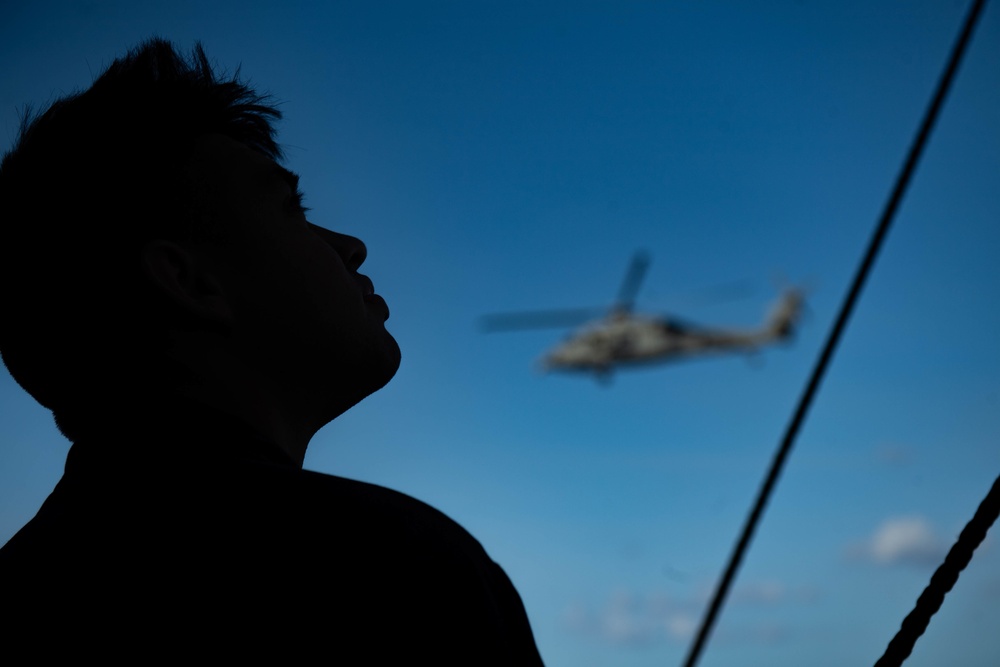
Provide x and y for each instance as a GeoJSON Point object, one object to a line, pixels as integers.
{"type": "Point", "coordinates": [875, 244]}
{"type": "Point", "coordinates": [943, 579]}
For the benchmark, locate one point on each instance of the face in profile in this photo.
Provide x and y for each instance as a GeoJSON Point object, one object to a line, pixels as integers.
{"type": "Point", "coordinates": [310, 322]}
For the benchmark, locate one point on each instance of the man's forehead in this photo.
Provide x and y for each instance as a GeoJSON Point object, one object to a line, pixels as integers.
{"type": "Point", "coordinates": [219, 156]}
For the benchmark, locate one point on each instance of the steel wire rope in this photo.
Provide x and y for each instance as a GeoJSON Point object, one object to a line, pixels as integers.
{"type": "Point", "coordinates": [942, 580]}
{"type": "Point", "coordinates": [874, 245]}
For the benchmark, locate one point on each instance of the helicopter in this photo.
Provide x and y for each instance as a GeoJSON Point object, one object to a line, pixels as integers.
{"type": "Point", "coordinates": [623, 338]}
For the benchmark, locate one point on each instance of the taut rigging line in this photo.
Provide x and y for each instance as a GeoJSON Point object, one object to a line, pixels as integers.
{"type": "Point", "coordinates": [874, 245]}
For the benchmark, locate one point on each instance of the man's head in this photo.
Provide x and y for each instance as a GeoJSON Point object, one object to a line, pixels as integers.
{"type": "Point", "coordinates": [147, 232]}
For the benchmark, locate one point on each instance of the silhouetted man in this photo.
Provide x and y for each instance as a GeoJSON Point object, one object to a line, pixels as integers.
{"type": "Point", "coordinates": [165, 295]}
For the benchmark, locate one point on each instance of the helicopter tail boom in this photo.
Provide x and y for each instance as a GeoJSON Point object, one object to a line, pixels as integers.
{"type": "Point", "coordinates": [784, 316]}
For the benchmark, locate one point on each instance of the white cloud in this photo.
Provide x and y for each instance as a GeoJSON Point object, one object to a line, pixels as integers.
{"type": "Point", "coordinates": [627, 619]}
{"type": "Point", "coordinates": [761, 592]}
{"type": "Point", "coordinates": [631, 620]}
{"type": "Point", "coordinates": [908, 540]}
{"type": "Point", "coordinates": [680, 626]}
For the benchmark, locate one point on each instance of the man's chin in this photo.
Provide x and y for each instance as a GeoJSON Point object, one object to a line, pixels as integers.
{"type": "Point", "coordinates": [393, 359]}
{"type": "Point", "coordinates": [362, 379]}
{"type": "Point", "coordinates": [383, 366]}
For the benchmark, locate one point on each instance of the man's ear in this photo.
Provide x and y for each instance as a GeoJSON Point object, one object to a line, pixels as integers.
{"type": "Point", "coordinates": [176, 272]}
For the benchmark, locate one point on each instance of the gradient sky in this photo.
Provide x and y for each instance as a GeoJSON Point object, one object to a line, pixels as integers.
{"type": "Point", "coordinates": [513, 155]}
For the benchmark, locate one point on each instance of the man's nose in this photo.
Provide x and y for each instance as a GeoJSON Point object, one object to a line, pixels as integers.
{"type": "Point", "coordinates": [350, 248]}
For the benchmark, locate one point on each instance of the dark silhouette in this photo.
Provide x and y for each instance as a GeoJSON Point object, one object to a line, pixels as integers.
{"type": "Point", "coordinates": [162, 292]}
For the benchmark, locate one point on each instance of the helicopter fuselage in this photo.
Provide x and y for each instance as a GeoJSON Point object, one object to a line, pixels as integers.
{"type": "Point", "coordinates": [624, 338]}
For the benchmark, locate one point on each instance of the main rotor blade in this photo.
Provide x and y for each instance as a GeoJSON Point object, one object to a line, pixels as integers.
{"type": "Point", "coordinates": [633, 280]}
{"type": "Point", "coordinates": [538, 319]}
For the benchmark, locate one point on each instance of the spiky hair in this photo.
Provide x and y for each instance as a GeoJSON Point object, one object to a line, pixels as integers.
{"type": "Point", "coordinates": [88, 181]}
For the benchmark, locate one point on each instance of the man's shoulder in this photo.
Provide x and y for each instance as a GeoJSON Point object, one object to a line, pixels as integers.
{"type": "Point", "coordinates": [323, 502]}
{"type": "Point", "coordinates": [329, 525]}
{"type": "Point", "coordinates": [338, 558]}
{"type": "Point", "coordinates": [244, 510]}
{"type": "Point", "coordinates": [330, 488]}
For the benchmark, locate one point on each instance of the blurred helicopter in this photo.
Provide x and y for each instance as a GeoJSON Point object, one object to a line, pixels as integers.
{"type": "Point", "coordinates": [622, 338]}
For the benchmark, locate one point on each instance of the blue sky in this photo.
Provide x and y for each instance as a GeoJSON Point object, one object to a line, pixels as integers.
{"type": "Point", "coordinates": [513, 155]}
